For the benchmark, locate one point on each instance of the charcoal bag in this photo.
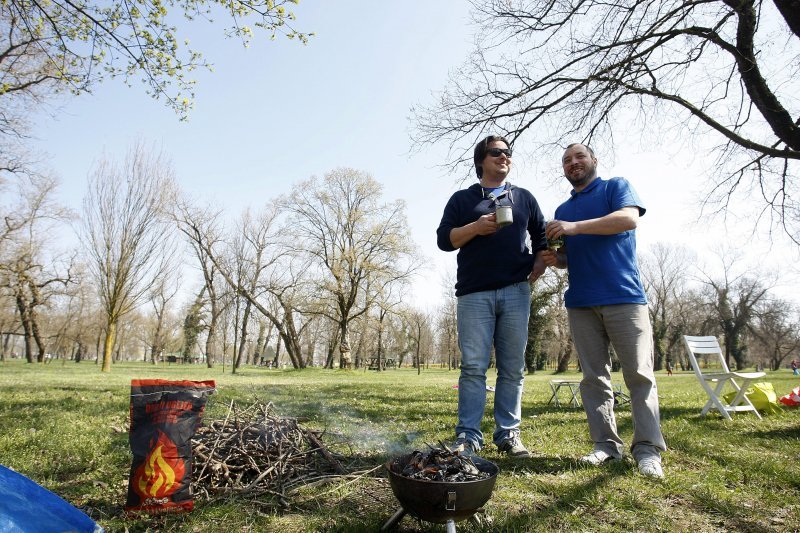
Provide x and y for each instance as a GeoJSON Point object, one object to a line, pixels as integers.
{"type": "Point", "coordinates": [164, 417]}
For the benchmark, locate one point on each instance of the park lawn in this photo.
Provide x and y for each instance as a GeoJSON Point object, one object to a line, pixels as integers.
{"type": "Point", "coordinates": [65, 426]}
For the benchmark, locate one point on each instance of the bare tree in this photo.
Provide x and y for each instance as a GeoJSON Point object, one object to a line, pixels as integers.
{"type": "Point", "coordinates": [722, 70]}
{"type": "Point", "coordinates": [162, 292]}
{"type": "Point", "coordinates": [665, 271]}
{"type": "Point", "coordinates": [359, 246]}
{"type": "Point", "coordinates": [9, 325]}
{"type": "Point", "coordinates": [202, 228]}
{"type": "Point", "coordinates": [388, 299]}
{"type": "Point", "coordinates": [124, 229]}
{"type": "Point", "coordinates": [447, 320]}
{"type": "Point", "coordinates": [777, 332]}
{"type": "Point", "coordinates": [254, 253]}
{"type": "Point", "coordinates": [552, 324]}
{"type": "Point", "coordinates": [447, 330]}
{"type": "Point", "coordinates": [281, 286]}
{"type": "Point", "coordinates": [420, 334]}
{"type": "Point", "coordinates": [28, 270]}
{"type": "Point", "coordinates": [734, 297]}
{"type": "Point", "coordinates": [80, 316]}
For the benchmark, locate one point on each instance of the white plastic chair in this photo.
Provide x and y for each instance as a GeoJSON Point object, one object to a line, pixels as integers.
{"type": "Point", "coordinates": [740, 402]}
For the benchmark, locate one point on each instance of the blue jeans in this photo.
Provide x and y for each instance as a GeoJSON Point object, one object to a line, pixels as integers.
{"type": "Point", "coordinates": [500, 318]}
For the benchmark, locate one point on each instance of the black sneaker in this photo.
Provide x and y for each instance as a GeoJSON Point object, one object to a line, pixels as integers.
{"type": "Point", "coordinates": [513, 447]}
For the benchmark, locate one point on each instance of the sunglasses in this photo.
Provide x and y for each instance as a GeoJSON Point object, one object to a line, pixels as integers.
{"type": "Point", "coordinates": [497, 152]}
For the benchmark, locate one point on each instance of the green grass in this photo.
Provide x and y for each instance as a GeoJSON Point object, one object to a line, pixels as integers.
{"type": "Point", "coordinates": [64, 426]}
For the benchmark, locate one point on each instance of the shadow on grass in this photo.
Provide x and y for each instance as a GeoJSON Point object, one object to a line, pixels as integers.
{"type": "Point", "coordinates": [743, 462]}
{"type": "Point", "coordinates": [552, 510]}
{"type": "Point", "coordinates": [536, 465]}
{"type": "Point", "coordinates": [780, 433]}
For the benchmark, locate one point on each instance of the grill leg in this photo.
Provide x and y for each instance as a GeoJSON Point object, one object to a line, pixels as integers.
{"type": "Point", "coordinates": [396, 517]}
{"type": "Point", "coordinates": [451, 526]}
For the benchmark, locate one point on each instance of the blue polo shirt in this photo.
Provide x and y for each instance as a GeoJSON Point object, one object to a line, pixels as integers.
{"type": "Point", "coordinates": [602, 268]}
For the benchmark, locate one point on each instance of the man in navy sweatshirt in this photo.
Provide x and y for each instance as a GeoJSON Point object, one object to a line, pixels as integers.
{"type": "Point", "coordinates": [496, 265]}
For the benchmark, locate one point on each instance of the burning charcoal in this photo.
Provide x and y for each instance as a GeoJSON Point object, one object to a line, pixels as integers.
{"type": "Point", "coordinates": [468, 467]}
{"type": "Point", "coordinates": [417, 460]}
{"type": "Point", "coordinates": [438, 465]}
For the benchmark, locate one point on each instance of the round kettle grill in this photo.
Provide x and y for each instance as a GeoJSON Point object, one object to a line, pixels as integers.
{"type": "Point", "coordinates": [440, 502]}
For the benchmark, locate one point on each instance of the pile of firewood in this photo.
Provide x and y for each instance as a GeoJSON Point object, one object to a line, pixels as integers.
{"type": "Point", "coordinates": [255, 452]}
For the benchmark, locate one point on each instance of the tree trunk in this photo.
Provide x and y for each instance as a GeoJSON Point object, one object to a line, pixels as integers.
{"type": "Point", "coordinates": [28, 340]}
{"type": "Point", "coordinates": [564, 358]}
{"type": "Point", "coordinates": [243, 335]}
{"type": "Point", "coordinates": [211, 339]}
{"type": "Point", "coordinates": [157, 347]}
{"type": "Point", "coordinates": [97, 343]}
{"type": "Point", "coordinates": [27, 335]}
{"type": "Point", "coordinates": [79, 352]}
{"type": "Point", "coordinates": [261, 341]}
{"type": "Point", "coordinates": [309, 353]}
{"type": "Point", "coordinates": [118, 341]}
{"type": "Point", "coordinates": [659, 334]}
{"type": "Point", "coordinates": [332, 345]}
{"type": "Point", "coordinates": [790, 11]}
{"type": "Point", "coordinates": [277, 351]}
{"type": "Point", "coordinates": [6, 342]}
{"type": "Point", "coordinates": [380, 342]}
{"type": "Point", "coordinates": [418, 349]}
{"type": "Point", "coordinates": [37, 337]}
{"type": "Point", "coordinates": [108, 347]}
{"type": "Point", "coordinates": [344, 346]}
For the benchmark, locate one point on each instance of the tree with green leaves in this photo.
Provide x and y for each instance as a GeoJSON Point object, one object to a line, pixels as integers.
{"type": "Point", "coordinates": [71, 45]}
{"type": "Point", "coordinates": [193, 324]}
{"type": "Point", "coordinates": [541, 301]}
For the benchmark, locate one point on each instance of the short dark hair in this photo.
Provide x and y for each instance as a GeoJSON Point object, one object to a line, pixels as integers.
{"type": "Point", "coordinates": [480, 151]}
{"type": "Point", "coordinates": [588, 148]}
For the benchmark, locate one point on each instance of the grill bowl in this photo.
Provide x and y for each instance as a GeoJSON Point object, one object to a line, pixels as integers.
{"type": "Point", "coordinates": [441, 501]}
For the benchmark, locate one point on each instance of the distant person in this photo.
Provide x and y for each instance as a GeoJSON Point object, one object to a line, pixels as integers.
{"type": "Point", "coordinates": [606, 303]}
{"type": "Point", "coordinates": [795, 368]}
{"type": "Point", "coordinates": [495, 269]}
{"type": "Point", "coordinates": [669, 367]}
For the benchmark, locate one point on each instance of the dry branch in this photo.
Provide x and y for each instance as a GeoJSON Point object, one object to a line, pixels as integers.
{"type": "Point", "coordinates": [255, 452]}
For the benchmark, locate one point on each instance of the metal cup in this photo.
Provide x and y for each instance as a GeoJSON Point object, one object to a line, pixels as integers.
{"type": "Point", "coordinates": [504, 216]}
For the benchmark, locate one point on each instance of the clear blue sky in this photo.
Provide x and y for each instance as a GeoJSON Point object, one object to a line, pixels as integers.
{"type": "Point", "coordinates": [279, 112]}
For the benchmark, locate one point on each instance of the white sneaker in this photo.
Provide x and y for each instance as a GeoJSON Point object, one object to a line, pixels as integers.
{"type": "Point", "coordinates": [651, 467]}
{"type": "Point", "coordinates": [596, 458]}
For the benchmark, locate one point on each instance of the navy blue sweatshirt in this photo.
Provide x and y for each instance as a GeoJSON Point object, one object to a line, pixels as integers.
{"type": "Point", "coordinates": [489, 262]}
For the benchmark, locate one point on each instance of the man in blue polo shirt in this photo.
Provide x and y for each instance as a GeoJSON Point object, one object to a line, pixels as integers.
{"type": "Point", "coordinates": [495, 267]}
{"type": "Point", "coordinates": [606, 303]}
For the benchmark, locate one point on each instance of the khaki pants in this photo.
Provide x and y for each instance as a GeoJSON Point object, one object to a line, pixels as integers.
{"type": "Point", "coordinates": [627, 328]}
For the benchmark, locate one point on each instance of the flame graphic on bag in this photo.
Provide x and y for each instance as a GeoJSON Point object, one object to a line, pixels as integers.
{"type": "Point", "coordinates": [156, 477]}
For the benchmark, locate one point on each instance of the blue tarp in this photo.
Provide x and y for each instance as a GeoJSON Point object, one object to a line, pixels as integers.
{"type": "Point", "coordinates": [27, 507]}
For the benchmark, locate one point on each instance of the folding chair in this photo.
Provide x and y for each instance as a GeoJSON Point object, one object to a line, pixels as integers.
{"type": "Point", "coordinates": [740, 402]}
